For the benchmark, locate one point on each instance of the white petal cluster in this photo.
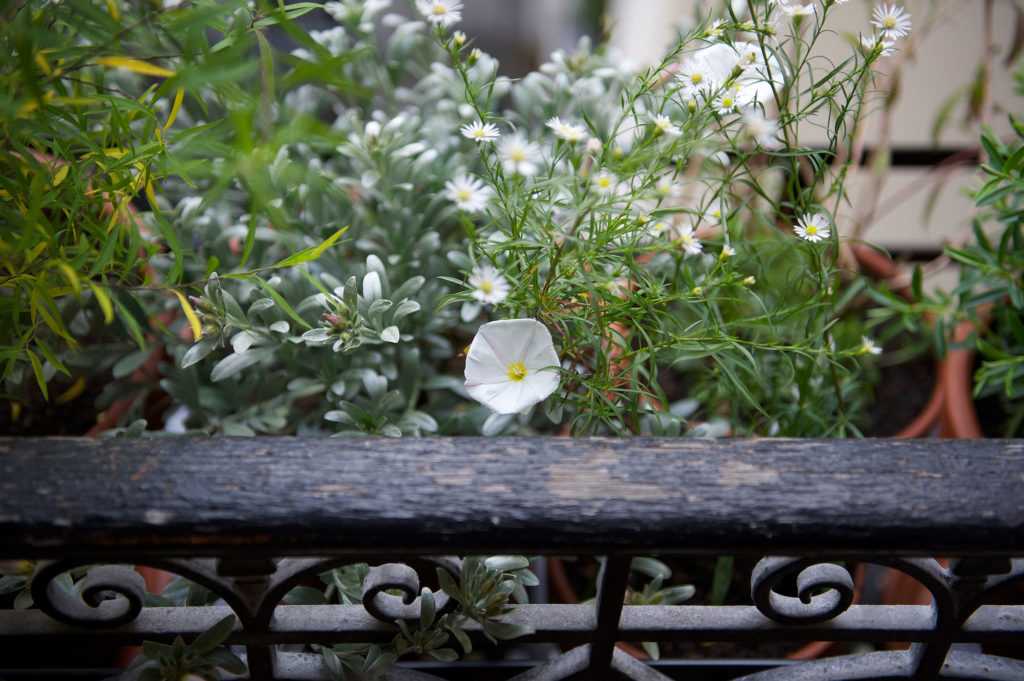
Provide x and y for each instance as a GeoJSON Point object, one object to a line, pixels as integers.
{"type": "Point", "coordinates": [813, 228]}
{"type": "Point", "coordinates": [519, 156]}
{"type": "Point", "coordinates": [569, 132]}
{"type": "Point", "coordinates": [729, 76]}
{"type": "Point", "coordinates": [480, 132]}
{"type": "Point", "coordinates": [891, 23]}
{"type": "Point", "coordinates": [489, 286]}
{"type": "Point", "coordinates": [468, 193]}
{"type": "Point", "coordinates": [442, 13]}
{"type": "Point", "coordinates": [512, 365]}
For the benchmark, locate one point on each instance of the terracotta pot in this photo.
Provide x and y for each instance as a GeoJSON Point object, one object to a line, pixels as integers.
{"type": "Point", "coordinates": [959, 415]}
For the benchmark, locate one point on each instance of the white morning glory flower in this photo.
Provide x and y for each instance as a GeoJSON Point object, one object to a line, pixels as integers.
{"type": "Point", "coordinates": [511, 365]}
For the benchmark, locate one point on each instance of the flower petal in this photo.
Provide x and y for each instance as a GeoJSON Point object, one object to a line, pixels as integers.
{"type": "Point", "coordinates": [483, 364]}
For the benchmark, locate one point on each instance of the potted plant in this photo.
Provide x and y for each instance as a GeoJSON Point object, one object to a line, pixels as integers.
{"type": "Point", "coordinates": [371, 231]}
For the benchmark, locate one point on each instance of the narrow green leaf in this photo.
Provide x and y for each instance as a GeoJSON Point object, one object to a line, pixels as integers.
{"type": "Point", "coordinates": [310, 254]}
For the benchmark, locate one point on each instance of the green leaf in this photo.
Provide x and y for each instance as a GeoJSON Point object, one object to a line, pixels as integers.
{"type": "Point", "coordinates": [227, 660]}
{"type": "Point", "coordinates": [428, 609]}
{"type": "Point", "coordinates": [655, 569]}
{"type": "Point", "coordinates": [278, 300]}
{"type": "Point", "coordinates": [652, 650]}
{"type": "Point", "coordinates": [444, 654]}
{"type": "Point", "coordinates": [463, 638]}
{"type": "Point", "coordinates": [129, 363]}
{"type": "Point", "coordinates": [214, 636]}
{"type": "Point", "coordinates": [37, 369]}
{"type": "Point", "coordinates": [199, 351]}
{"type": "Point", "coordinates": [310, 254]}
{"type": "Point", "coordinates": [505, 631]}
{"type": "Point", "coordinates": [155, 651]}
{"type": "Point", "coordinates": [448, 585]}
{"type": "Point", "coordinates": [722, 579]}
{"type": "Point", "coordinates": [236, 362]}
{"type": "Point", "coordinates": [305, 595]}
{"type": "Point", "coordinates": [507, 563]}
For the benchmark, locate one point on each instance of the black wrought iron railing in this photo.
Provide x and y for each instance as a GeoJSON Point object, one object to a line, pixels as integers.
{"type": "Point", "coordinates": [250, 519]}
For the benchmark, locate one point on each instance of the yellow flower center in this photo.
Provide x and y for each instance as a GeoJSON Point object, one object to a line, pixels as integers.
{"type": "Point", "coordinates": [464, 195]}
{"type": "Point", "coordinates": [727, 102]}
{"type": "Point", "coordinates": [812, 230]}
{"type": "Point", "coordinates": [439, 9]}
{"type": "Point", "coordinates": [478, 133]}
{"type": "Point", "coordinates": [518, 154]}
{"type": "Point", "coordinates": [604, 182]}
{"type": "Point", "coordinates": [517, 371]}
{"type": "Point", "coordinates": [696, 78]}
{"type": "Point", "coordinates": [889, 22]}
{"type": "Point", "coordinates": [487, 286]}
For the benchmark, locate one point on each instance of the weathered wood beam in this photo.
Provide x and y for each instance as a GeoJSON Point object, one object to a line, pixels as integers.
{"type": "Point", "coordinates": [293, 496]}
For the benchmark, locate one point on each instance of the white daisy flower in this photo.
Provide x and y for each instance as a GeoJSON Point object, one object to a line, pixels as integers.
{"type": "Point", "coordinates": [664, 125]}
{"type": "Point", "coordinates": [869, 347]}
{"type": "Point", "coordinates": [511, 365]}
{"type": "Point", "coordinates": [688, 241]}
{"type": "Point", "coordinates": [656, 228]}
{"type": "Point", "coordinates": [711, 68]}
{"type": "Point", "coordinates": [872, 42]}
{"type": "Point", "coordinates": [705, 70]}
{"type": "Point", "coordinates": [714, 215]}
{"type": "Point", "coordinates": [797, 9]}
{"type": "Point", "coordinates": [813, 228]}
{"type": "Point", "coordinates": [891, 20]}
{"type": "Point", "coordinates": [440, 12]}
{"type": "Point", "coordinates": [726, 102]}
{"type": "Point", "coordinates": [605, 182]}
{"type": "Point", "coordinates": [568, 131]}
{"type": "Point", "coordinates": [764, 131]}
{"type": "Point", "coordinates": [489, 285]}
{"type": "Point", "coordinates": [715, 29]}
{"type": "Point", "coordinates": [468, 193]}
{"type": "Point", "coordinates": [478, 131]}
{"type": "Point", "coordinates": [754, 84]}
{"type": "Point", "coordinates": [727, 252]}
{"type": "Point", "coordinates": [666, 187]}
{"type": "Point", "coordinates": [519, 156]}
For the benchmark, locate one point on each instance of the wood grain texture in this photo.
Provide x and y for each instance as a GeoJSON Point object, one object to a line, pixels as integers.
{"type": "Point", "coordinates": [294, 496]}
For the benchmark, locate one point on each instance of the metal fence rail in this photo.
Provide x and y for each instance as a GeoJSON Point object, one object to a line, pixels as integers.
{"type": "Point", "coordinates": [250, 519]}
